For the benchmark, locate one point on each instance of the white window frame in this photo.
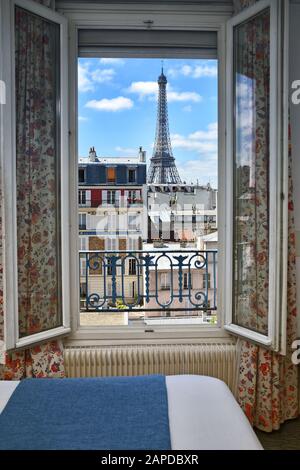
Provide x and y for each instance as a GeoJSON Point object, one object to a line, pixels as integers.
{"type": "Point", "coordinates": [132, 221]}
{"type": "Point", "coordinates": [83, 243]}
{"type": "Point", "coordinates": [175, 17]}
{"type": "Point", "coordinates": [7, 27]}
{"type": "Point", "coordinates": [133, 242]}
{"type": "Point", "coordinates": [87, 196]}
{"type": "Point", "coordinates": [111, 243]}
{"type": "Point", "coordinates": [135, 175]}
{"type": "Point", "coordinates": [278, 190]}
{"type": "Point", "coordinates": [111, 197]}
{"type": "Point", "coordinates": [165, 280]}
{"type": "Point", "coordinates": [131, 263]}
{"type": "Point", "coordinates": [81, 217]}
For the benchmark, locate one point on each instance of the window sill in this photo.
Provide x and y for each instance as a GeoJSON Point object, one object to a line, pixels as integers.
{"type": "Point", "coordinates": [43, 336]}
{"type": "Point", "coordinates": [148, 335]}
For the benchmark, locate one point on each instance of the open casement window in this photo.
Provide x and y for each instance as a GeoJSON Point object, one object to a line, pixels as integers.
{"type": "Point", "coordinates": [256, 175]}
{"type": "Point", "coordinates": [36, 265]}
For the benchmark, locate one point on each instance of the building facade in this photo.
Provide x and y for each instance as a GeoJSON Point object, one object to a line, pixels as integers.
{"type": "Point", "coordinates": [111, 192]}
{"type": "Point", "coordinates": [181, 212]}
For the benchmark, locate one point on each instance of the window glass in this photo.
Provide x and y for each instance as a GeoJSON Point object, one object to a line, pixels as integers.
{"type": "Point", "coordinates": [251, 173]}
{"type": "Point", "coordinates": [37, 65]}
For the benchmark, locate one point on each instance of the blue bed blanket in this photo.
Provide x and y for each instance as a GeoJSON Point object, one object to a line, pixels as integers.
{"type": "Point", "coordinates": [97, 413]}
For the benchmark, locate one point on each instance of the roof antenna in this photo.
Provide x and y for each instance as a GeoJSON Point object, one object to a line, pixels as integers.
{"type": "Point", "coordinates": [162, 66]}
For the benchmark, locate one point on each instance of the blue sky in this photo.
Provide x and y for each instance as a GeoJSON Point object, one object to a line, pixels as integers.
{"type": "Point", "coordinates": [118, 104]}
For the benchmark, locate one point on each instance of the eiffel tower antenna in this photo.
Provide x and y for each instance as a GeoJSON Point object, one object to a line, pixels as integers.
{"type": "Point", "coordinates": [162, 165]}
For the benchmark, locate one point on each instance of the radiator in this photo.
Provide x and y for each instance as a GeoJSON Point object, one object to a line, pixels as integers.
{"type": "Point", "coordinates": [215, 360]}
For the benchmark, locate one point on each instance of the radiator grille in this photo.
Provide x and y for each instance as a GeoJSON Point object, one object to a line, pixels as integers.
{"type": "Point", "coordinates": [215, 360]}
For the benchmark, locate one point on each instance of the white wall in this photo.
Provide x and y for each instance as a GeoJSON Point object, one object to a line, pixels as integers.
{"type": "Point", "coordinates": [295, 129]}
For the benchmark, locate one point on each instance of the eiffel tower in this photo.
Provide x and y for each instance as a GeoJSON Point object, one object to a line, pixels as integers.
{"type": "Point", "coordinates": [162, 165]}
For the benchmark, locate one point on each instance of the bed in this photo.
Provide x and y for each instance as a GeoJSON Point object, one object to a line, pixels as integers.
{"type": "Point", "coordinates": [202, 414]}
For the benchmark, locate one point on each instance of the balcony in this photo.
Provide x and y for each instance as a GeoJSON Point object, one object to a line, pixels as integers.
{"type": "Point", "coordinates": [131, 202]}
{"type": "Point", "coordinates": [108, 284]}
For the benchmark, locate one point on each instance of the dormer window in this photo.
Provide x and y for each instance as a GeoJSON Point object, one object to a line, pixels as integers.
{"type": "Point", "coordinates": [132, 175]}
{"type": "Point", "coordinates": [81, 175]}
{"type": "Point", "coordinates": [111, 175]}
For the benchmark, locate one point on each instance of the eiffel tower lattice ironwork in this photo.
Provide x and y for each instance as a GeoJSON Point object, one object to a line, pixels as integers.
{"type": "Point", "coordinates": [162, 165]}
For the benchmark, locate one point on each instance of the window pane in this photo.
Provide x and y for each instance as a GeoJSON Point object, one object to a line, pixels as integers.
{"type": "Point", "coordinates": [37, 58]}
{"type": "Point", "coordinates": [251, 173]}
{"type": "Point", "coordinates": [111, 175]}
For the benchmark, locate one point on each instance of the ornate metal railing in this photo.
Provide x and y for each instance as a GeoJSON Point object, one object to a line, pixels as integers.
{"type": "Point", "coordinates": [150, 281]}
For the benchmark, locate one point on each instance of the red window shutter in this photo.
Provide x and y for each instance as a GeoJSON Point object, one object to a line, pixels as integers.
{"type": "Point", "coordinates": [96, 197]}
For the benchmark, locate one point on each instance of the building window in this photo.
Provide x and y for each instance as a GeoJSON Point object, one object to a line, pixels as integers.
{"type": "Point", "coordinates": [83, 242]}
{"type": "Point", "coordinates": [132, 196]}
{"type": "Point", "coordinates": [111, 197]}
{"type": "Point", "coordinates": [165, 281]}
{"type": "Point", "coordinates": [133, 243]}
{"type": "Point", "coordinates": [82, 221]}
{"type": "Point", "coordinates": [109, 266]}
{"type": "Point", "coordinates": [110, 244]}
{"type": "Point", "coordinates": [132, 267]}
{"type": "Point", "coordinates": [81, 175]}
{"type": "Point", "coordinates": [206, 277]}
{"type": "Point", "coordinates": [131, 175]}
{"type": "Point", "coordinates": [84, 198]}
{"type": "Point", "coordinates": [187, 281]}
{"type": "Point", "coordinates": [82, 267]}
{"type": "Point", "coordinates": [111, 175]}
{"type": "Point", "coordinates": [132, 222]}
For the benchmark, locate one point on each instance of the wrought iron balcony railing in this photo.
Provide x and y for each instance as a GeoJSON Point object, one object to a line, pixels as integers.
{"type": "Point", "coordinates": [108, 281]}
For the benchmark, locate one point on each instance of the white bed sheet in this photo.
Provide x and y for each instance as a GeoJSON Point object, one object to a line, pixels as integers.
{"type": "Point", "coordinates": [203, 414]}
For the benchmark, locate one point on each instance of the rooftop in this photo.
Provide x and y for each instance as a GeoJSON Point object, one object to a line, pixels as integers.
{"type": "Point", "coordinates": [112, 160]}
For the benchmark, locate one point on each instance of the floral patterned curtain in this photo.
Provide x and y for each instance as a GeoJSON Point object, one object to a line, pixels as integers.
{"type": "Point", "coordinates": [268, 382]}
{"type": "Point", "coordinates": [37, 197]}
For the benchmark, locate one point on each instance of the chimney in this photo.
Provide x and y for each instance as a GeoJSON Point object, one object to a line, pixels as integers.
{"type": "Point", "coordinates": [142, 155]}
{"type": "Point", "coordinates": [92, 154]}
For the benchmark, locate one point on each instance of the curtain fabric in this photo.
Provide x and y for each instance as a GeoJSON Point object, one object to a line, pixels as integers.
{"type": "Point", "coordinates": [41, 361]}
{"type": "Point", "coordinates": [252, 166]}
{"type": "Point", "coordinates": [37, 198]}
{"type": "Point", "coordinates": [268, 382]}
{"type": "Point", "coordinates": [37, 158]}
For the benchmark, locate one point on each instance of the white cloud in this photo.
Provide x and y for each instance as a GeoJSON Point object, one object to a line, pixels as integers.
{"type": "Point", "coordinates": [150, 90]}
{"type": "Point", "coordinates": [186, 70]}
{"type": "Point", "coordinates": [114, 104]}
{"type": "Point", "coordinates": [184, 96]}
{"type": "Point", "coordinates": [205, 71]}
{"type": "Point", "coordinates": [143, 88]}
{"type": "Point", "coordinates": [112, 61]}
{"type": "Point", "coordinates": [126, 150]}
{"type": "Point", "coordinates": [88, 78]}
{"type": "Point", "coordinates": [102, 75]}
{"type": "Point", "coordinates": [210, 134]}
{"type": "Point", "coordinates": [187, 108]}
{"type": "Point", "coordinates": [204, 142]}
{"type": "Point", "coordinates": [196, 71]}
{"type": "Point", "coordinates": [82, 118]}
{"type": "Point", "coordinates": [84, 80]}
{"type": "Point", "coordinates": [203, 168]}
{"type": "Point", "coordinates": [199, 170]}
{"type": "Point", "coordinates": [187, 143]}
